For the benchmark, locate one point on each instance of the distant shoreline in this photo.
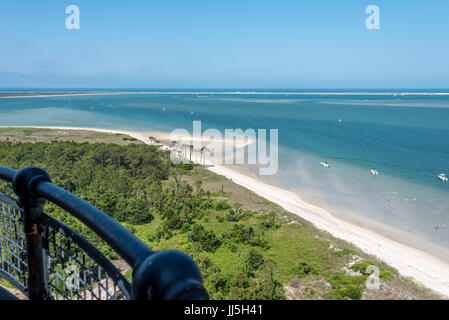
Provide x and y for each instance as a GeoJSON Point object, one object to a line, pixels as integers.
{"type": "Point", "coordinates": [15, 94]}
{"type": "Point", "coordinates": [424, 268]}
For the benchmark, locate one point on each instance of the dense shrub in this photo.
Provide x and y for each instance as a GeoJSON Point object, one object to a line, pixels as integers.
{"type": "Point", "coordinates": [221, 205]}
{"type": "Point", "coordinates": [345, 286]}
{"type": "Point", "coordinates": [135, 212]}
{"type": "Point", "coordinates": [302, 269]}
{"type": "Point", "coordinates": [269, 221]}
{"type": "Point", "coordinates": [246, 235]}
{"type": "Point", "coordinates": [361, 267]}
{"type": "Point", "coordinates": [253, 261]}
{"type": "Point", "coordinates": [232, 216]}
{"type": "Point", "coordinates": [207, 240]}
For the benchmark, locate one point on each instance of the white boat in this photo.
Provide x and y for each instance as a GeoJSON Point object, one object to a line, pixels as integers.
{"type": "Point", "coordinates": [443, 177]}
{"type": "Point", "coordinates": [374, 172]}
{"type": "Point", "coordinates": [325, 164]}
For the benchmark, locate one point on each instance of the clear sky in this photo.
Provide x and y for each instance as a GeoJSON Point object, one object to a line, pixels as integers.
{"type": "Point", "coordinates": [224, 44]}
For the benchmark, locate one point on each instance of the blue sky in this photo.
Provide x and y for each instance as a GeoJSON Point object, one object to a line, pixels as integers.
{"type": "Point", "coordinates": [225, 44]}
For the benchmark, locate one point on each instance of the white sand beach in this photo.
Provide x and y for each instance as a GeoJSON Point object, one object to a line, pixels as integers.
{"type": "Point", "coordinates": [425, 269]}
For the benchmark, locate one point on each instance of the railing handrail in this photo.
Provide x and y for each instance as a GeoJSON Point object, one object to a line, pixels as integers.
{"type": "Point", "coordinates": [170, 274]}
{"type": "Point", "coordinates": [7, 174]}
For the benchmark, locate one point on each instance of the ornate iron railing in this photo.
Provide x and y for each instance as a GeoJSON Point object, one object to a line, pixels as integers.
{"type": "Point", "coordinates": [13, 264]}
{"type": "Point", "coordinates": [46, 260]}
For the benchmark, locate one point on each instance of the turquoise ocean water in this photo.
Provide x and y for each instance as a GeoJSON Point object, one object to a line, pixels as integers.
{"type": "Point", "coordinates": [406, 138]}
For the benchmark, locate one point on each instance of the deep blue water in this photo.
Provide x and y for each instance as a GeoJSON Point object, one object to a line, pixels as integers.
{"type": "Point", "coordinates": [406, 138]}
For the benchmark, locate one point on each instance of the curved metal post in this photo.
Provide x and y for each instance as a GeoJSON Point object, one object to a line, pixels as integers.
{"type": "Point", "coordinates": [24, 182]}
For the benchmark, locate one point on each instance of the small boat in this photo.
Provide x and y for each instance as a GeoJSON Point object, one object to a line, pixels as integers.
{"type": "Point", "coordinates": [443, 177]}
{"type": "Point", "coordinates": [325, 164]}
{"type": "Point", "coordinates": [374, 172]}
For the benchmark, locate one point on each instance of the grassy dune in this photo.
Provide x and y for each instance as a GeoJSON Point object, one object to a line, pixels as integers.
{"type": "Point", "coordinates": [49, 135]}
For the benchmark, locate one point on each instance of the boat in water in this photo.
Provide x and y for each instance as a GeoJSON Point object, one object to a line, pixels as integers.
{"type": "Point", "coordinates": [325, 164]}
{"type": "Point", "coordinates": [443, 177]}
{"type": "Point", "coordinates": [374, 172]}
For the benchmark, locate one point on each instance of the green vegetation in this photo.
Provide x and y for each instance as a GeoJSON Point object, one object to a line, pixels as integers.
{"type": "Point", "coordinates": [345, 286]}
{"type": "Point", "coordinates": [207, 240]}
{"type": "Point", "coordinates": [246, 248]}
{"type": "Point", "coordinates": [6, 284]}
{"type": "Point", "coordinates": [49, 135]}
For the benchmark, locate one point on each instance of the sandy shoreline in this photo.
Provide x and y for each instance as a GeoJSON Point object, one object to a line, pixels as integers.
{"type": "Point", "coordinates": [312, 93]}
{"type": "Point", "coordinates": [424, 268]}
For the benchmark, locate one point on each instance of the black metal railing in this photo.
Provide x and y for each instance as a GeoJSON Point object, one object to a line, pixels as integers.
{"type": "Point", "coordinates": [46, 260]}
